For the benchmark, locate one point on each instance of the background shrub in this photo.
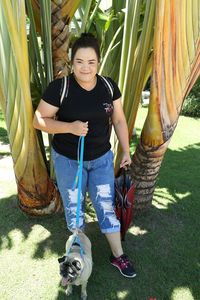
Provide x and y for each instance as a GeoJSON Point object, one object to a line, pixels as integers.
{"type": "Point", "coordinates": [191, 105]}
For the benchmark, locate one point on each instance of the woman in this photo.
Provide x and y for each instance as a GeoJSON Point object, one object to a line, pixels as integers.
{"type": "Point", "coordinates": [86, 111]}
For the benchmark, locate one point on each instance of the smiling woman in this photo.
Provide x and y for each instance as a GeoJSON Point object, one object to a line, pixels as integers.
{"type": "Point", "coordinates": [86, 110]}
{"type": "Point", "coordinates": [85, 64]}
{"type": "Point", "coordinates": [85, 60]}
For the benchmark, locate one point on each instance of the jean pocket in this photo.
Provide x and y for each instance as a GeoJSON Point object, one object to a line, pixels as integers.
{"type": "Point", "coordinates": [111, 155]}
{"type": "Point", "coordinates": [54, 154]}
{"type": "Point", "coordinates": [109, 159]}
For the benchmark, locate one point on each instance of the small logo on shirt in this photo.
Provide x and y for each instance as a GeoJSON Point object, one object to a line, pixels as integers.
{"type": "Point", "coordinates": [108, 108]}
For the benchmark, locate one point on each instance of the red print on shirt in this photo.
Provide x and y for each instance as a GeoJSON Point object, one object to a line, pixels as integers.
{"type": "Point", "coordinates": [108, 108]}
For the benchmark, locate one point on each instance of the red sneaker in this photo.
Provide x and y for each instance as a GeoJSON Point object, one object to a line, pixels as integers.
{"type": "Point", "coordinates": [124, 265]}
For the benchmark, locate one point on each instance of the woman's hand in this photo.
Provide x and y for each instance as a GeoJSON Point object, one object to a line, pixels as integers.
{"type": "Point", "coordinates": [126, 160]}
{"type": "Point", "coordinates": [79, 128]}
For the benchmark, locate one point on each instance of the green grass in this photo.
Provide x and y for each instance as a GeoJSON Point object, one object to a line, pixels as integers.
{"type": "Point", "coordinates": [164, 243]}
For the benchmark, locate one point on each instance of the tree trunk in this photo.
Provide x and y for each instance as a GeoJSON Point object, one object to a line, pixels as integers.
{"type": "Point", "coordinates": [60, 41]}
{"type": "Point", "coordinates": [146, 165]}
{"type": "Point", "coordinates": [37, 193]}
{"type": "Point", "coordinates": [62, 12]}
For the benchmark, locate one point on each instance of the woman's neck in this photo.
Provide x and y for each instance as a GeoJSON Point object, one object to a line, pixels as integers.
{"type": "Point", "coordinates": [87, 85]}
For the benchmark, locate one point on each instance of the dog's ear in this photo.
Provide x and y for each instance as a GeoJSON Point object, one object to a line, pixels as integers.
{"type": "Point", "coordinates": [61, 259]}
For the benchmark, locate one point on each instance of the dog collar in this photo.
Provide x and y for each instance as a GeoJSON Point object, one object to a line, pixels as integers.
{"type": "Point", "coordinates": [76, 241]}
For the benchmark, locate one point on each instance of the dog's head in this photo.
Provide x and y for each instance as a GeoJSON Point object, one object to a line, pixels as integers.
{"type": "Point", "coordinates": [70, 269]}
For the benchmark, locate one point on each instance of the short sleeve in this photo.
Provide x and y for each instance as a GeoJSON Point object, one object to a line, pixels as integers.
{"type": "Point", "coordinates": [53, 92]}
{"type": "Point", "coordinates": [116, 91]}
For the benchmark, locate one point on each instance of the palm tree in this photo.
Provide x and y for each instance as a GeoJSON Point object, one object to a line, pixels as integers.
{"type": "Point", "coordinates": [175, 44]}
{"type": "Point", "coordinates": [175, 66]}
{"type": "Point", "coordinates": [37, 193]}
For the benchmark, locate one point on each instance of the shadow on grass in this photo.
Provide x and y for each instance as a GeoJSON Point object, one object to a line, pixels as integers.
{"type": "Point", "coordinates": [4, 141]}
{"type": "Point", "coordinates": [163, 243]}
{"type": "Point", "coordinates": [4, 154]}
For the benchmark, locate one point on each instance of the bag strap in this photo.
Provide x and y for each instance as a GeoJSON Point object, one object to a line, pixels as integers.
{"type": "Point", "coordinates": [65, 88]}
{"type": "Point", "coordinates": [108, 85]}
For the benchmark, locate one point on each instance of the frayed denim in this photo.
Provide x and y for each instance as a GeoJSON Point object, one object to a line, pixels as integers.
{"type": "Point", "coordinates": [98, 180]}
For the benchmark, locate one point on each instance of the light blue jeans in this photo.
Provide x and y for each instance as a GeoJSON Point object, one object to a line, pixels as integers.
{"type": "Point", "coordinates": [98, 180]}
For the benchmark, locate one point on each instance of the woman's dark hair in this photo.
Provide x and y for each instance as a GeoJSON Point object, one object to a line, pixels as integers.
{"type": "Point", "coordinates": [86, 40]}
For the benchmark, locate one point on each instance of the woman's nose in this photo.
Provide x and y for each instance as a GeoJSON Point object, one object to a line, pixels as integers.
{"type": "Point", "coordinates": [85, 66]}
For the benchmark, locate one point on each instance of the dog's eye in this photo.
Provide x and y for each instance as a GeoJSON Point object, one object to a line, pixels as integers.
{"type": "Point", "coordinates": [77, 265]}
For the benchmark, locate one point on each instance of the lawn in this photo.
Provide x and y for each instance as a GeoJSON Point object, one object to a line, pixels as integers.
{"type": "Point", "coordinates": [164, 243]}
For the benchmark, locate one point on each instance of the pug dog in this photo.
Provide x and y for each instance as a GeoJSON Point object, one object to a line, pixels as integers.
{"type": "Point", "coordinates": [76, 265]}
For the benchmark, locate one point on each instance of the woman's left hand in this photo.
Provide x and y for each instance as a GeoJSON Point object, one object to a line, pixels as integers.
{"type": "Point", "coordinates": [126, 160]}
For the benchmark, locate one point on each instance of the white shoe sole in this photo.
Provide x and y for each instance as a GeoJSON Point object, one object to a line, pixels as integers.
{"type": "Point", "coordinates": [122, 273]}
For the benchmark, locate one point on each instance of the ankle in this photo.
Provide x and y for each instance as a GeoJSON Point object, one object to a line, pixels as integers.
{"type": "Point", "coordinates": [117, 254]}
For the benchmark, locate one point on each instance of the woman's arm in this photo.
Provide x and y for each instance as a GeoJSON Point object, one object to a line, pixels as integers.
{"type": "Point", "coordinates": [44, 120]}
{"type": "Point", "coordinates": [121, 129]}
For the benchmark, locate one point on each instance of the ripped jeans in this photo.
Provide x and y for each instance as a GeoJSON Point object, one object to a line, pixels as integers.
{"type": "Point", "coordinates": [98, 180]}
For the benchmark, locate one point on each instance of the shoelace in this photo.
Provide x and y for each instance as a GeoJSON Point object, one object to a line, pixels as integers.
{"type": "Point", "coordinates": [124, 261]}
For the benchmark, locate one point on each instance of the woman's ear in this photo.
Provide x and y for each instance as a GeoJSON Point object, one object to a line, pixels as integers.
{"type": "Point", "coordinates": [71, 66]}
{"type": "Point", "coordinates": [98, 66]}
{"type": "Point", "coordinates": [61, 259]}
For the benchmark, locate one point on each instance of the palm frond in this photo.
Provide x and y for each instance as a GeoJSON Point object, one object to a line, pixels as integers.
{"type": "Point", "coordinates": [176, 67]}
{"type": "Point", "coordinates": [136, 61]}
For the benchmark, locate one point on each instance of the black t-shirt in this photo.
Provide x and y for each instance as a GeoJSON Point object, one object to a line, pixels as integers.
{"type": "Point", "coordinates": [95, 106]}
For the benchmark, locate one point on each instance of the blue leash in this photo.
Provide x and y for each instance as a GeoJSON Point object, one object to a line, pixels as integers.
{"type": "Point", "coordinates": [78, 180]}
{"type": "Point", "coordinates": [80, 173]}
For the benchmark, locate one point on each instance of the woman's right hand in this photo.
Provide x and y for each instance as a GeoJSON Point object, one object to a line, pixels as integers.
{"type": "Point", "coordinates": [79, 128]}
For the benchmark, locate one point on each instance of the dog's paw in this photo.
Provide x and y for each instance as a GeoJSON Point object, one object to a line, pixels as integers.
{"type": "Point", "coordinates": [84, 291]}
{"type": "Point", "coordinates": [68, 291]}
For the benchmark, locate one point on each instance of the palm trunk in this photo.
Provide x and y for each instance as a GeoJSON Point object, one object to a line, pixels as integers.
{"type": "Point", "coordinates": [62, 12]}
{"type": "Point", "coordinates": [60, 41]}
{"type": "Point", "coordinates": [146, 165]}
{"type": "Point", "coordinates": [37, 193]}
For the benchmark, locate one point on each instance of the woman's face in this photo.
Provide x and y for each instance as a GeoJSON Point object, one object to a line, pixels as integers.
{"type": "Point", "coordinates": [85, 64]}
